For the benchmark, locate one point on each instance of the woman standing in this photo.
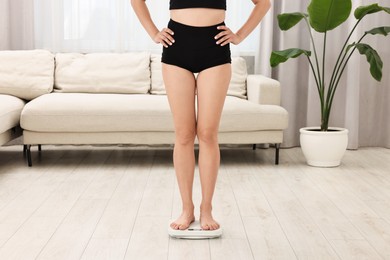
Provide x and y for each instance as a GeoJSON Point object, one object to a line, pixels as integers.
{"type": "Point", "coordinates": [197, 40]}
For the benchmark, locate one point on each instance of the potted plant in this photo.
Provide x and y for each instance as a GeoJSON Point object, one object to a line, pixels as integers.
{"type": "Point", "coordinates": [323, 16]}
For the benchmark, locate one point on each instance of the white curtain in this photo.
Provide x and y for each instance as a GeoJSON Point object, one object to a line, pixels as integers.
{"type": "Point", "coordinates": [361, 105]}
{"type": "Point", "coordinates": [16, 25]}
{"type": "Point", "coordinates": [106, 25]}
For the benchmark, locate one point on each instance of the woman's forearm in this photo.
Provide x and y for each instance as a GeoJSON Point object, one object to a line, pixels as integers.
{"type": "Point", "coordinates": [259, 11]}
{"type": "Point", "coordinates": [142, 12]}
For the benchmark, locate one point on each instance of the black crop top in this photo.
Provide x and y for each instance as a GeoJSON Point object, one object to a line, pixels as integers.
{"type": "Point", "coordinates": [180, 4]}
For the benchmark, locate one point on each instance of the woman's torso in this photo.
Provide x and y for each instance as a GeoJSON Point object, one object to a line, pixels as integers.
{"type": "Point", "coordinates": [198, 16]}
{"type": "Point", "coordinates": [198, 12]}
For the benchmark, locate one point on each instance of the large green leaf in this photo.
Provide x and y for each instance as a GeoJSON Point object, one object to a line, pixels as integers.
{"type": "Point", "coordinates": [384, 30]}
{"type": "Point", "coordinates": [325, 15]}
{"type": "Point", "coordinates": [289, 20]}
{"type": "Point", "coordinates": [362, 11]}
{"type": "Point", "coordinates": [373, 58]}
{"type": "Point", "coordinates": [278, 57]}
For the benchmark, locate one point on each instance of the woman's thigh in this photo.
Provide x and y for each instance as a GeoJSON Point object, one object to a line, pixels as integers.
{"type": "Point", "coordinates": [180, 87]}
{"type": "Point", "coordinates": [212, 86]}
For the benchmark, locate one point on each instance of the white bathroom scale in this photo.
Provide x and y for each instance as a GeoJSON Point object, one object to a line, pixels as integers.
{"type": "Point", "coordinates": [194, 231]}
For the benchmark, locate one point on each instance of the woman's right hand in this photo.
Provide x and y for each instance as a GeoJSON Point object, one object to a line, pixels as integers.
{"type": "Point", "coordinates": [164, 37]}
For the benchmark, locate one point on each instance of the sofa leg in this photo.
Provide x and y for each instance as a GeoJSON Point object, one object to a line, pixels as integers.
{"type": "Point", "coordinates": [277, 147]}
{"type": "Point", "coordinates": [39, 147]}
{"type": "Point", "coordinates": [28, 151]}
{"type": "Point", "coordinates": [254, 147]}
{"type": "Point", "coordinates": [24, 150]}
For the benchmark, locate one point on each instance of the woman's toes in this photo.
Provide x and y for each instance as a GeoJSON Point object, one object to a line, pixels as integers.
{"type": "Point", "coordinates": [174, 225]}
{"type": "Point", "coordinates": [207, 227]}
{"type": "Point", "coordinates": [183, 227]}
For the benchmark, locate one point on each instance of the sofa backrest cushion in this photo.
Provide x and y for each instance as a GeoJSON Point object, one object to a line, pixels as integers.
{"type": "Point", "coordinates": [26, 74]}
{"type": "Point", "coordinates": [120, 73]}
{"type": "Point", "coordinates": [237, 85]}
{"type": "Point", "coordinates": [157, 86]}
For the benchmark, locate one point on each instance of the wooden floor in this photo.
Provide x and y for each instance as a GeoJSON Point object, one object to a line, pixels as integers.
{"type": "Point", "coordinates": [116, 203]}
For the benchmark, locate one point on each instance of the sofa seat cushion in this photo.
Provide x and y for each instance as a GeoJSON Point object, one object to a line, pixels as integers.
{"type": "Point", "coordinates": [83, 112]}
{"type": "Point", "coordinates": [86, 112]}
{"type": "Point", "coordinates": [10, 109]}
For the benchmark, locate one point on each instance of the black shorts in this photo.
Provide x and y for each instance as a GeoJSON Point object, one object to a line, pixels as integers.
{"type": "Point", "coordinates": [195, 48]}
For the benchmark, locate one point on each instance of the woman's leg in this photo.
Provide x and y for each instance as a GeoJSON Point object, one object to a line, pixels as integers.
{"type": "Point", "coordinates": [180, 88]}
{"type": "Point", "coordinates": [212, 85]}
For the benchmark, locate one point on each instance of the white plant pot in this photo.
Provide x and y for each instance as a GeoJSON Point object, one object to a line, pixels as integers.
{"type": "Point", "coordinates": [323, 149]}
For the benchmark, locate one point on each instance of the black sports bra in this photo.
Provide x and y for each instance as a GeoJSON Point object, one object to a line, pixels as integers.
{"type": "Point", "coordinates": [180, 4]}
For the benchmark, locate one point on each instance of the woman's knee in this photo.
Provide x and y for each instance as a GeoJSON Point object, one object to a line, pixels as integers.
{"type": "Point", "coordinates": [207, 135]}
{"type": "Point", "coordinates": [185, 136]}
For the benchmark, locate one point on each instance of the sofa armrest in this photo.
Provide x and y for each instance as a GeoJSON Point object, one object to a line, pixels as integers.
{"type": "Point", "coordinates": [263, 90]}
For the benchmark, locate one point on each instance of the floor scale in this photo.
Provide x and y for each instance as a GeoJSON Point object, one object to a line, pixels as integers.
{"type": "Point", "coordinates": [194, 231]}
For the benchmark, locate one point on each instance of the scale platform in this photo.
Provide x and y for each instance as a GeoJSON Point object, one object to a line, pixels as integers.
{"type": "Point", "coordinates": [194, 231]}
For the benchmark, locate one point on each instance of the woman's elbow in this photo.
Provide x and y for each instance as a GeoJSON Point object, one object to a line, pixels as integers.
{"type": "Point", "coordinates": [263, 4]}
{"type": "Point", "coordinates": [267, 4]}
{"type": "Point", "coordinates": [135, 2]}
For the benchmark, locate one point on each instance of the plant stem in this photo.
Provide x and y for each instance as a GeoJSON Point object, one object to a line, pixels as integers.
{"type": "Point", "coordinates": [314, 73]}
{"type": "Point", "coordinates": [341, 73]}
{"type": "Point", "coordinates": [315, 51]}
{"type": "Point", "coordinates": [318, 78]}
{"type": "Point", "coordinates": [315, 77]}
{"type": "Point", "coordinates": [337, 66]}
{"type": "Point", "coordinates": [323, 108]}
{"type": "Point", "coordinates": [335, 78]}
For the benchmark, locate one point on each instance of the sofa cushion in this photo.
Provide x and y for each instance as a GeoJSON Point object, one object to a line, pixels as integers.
{"type": "Point", "coordinates": [10, 110]}
{"type": "Point", "coordinates": [26, 74]}
{"type": "Point", "coordinates": [71, 112]}
{"type": "Point", "coordinates": [85, 112]}
{"type": "Point", "coordinates": [157, 82]}
{"type": "Point", "coordinates": [237, 86]}
{"type": "Point", "coordinates": [120, 73]}
{"type": "Point", "coordinates": [242, 115]}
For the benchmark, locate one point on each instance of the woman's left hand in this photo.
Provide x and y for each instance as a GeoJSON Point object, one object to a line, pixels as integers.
{"type": "Point", "coordinates": [226, 36]}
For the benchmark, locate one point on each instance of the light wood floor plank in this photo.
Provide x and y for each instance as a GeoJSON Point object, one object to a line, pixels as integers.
{"type": "Point", "coordinates": [188, 249]}
{"type": "Point", "coordinates": [267, 239]}
{"type": "Point", "coordinates": [328, 217]}
{"type": "Point", "coordinates": [37, 230]}
{"type": "Point", "coordinates": [376, 231]}
{"type": "Point", "coordinates": [15, 178]}
{"type": "Point", "coordinates": [149, 238]}
{"type": "Point", "coordinates": [72, 236]}
{"type": "Point", "coordinates": [112, 233]}
{"type": "Point", "coordinates": [305, 237]}
{"type": "Point", "coordinates": [23, 206]}
{"type": "Point", "coordinates": [355, 249]}
{"type": "Point", "coordinates": [157, 197]}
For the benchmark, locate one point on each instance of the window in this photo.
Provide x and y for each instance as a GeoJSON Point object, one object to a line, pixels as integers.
{"type": "Point", "coordinates": [107, 25]}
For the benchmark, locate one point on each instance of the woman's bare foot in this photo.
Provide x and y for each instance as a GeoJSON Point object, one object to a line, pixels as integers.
{"type": "Point", "coordinates": [206, 219]}
{"type": "Point", "coordinates": [184, 221]}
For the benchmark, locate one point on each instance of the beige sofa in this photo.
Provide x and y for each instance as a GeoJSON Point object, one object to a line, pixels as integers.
{"type": "Point", "coordinates": [119, 98]}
